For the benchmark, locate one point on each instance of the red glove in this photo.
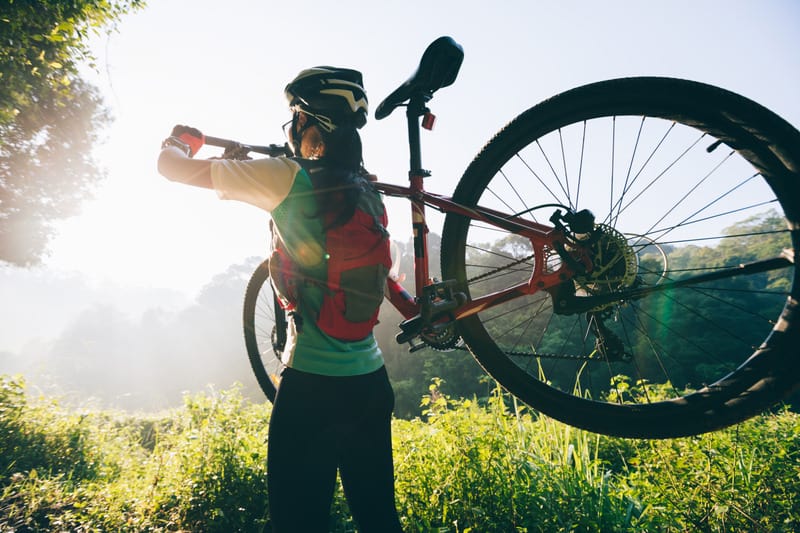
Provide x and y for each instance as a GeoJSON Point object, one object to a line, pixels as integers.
{"type": "Point", "coordinates": [191, 136]}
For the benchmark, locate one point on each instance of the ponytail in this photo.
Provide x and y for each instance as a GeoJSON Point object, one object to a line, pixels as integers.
{"type": "Point", "coordinates": [343, 151]}
{"type": "Point", "coordinates": [344, 180]}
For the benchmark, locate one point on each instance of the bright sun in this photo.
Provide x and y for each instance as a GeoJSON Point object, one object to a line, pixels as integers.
{"type": "Point", "coordinates": [141, 229]}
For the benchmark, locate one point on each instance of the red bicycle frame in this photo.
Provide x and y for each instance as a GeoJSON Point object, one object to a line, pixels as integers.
{"type": "Point", "coordinates": [542, 237]}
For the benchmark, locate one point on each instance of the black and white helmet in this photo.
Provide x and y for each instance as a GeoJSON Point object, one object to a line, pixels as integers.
{"type": "Point", "coordinates": [333, 96]}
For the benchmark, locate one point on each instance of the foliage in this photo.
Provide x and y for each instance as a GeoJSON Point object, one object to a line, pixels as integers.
{"type": "Point", "coordinates": [49, 116]}
{"type": "Point", "coordinates": [490, 468]}
{"type": "Point", "coordinates": [53, 463]}
{"type": "Point", "coordinates": [464, 466]}
{"type": "Point", "coordinates": [742, 479]}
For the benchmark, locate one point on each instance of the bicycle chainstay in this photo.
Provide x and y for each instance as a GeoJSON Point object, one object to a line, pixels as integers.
{"type": "Point", "coordinates": [597, 354]}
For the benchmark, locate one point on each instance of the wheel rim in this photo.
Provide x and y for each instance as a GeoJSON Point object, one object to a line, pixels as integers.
{"type": "Point", "coordinates": [674, 198]}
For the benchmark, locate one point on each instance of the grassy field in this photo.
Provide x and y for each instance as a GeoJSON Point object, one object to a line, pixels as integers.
{"type": "Point", "coordinates": [465, 466]}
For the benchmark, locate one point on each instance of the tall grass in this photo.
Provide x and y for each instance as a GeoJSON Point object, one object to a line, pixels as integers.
{"type": "Point", "coordinates": [489, 466]}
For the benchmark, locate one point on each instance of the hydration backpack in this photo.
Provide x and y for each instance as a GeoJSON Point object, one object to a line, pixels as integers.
{"type": "Point", "coordinates": [358, 262]}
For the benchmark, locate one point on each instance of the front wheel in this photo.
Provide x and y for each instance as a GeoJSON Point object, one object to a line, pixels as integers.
{"type": "Point", "coordinates": [684, 179]}
{"type": "Point", "coordinates": [262, 330]}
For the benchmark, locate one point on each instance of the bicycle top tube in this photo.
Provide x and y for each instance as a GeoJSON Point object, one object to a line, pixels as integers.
{"type": "Point", "coordinates": [446, 204]}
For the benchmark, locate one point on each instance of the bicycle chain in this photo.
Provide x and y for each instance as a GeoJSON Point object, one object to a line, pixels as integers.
{"type": "Point", "coordinates": [528, 354]}
{"type": "Point", "coordinates": [604, 313]}
{"type": "Point", "coordinates": [519, 354]}
{"type": "Point", "coordinates": [501, 268]}
{"type": "Point", "coordinates": [569, 357]}
{"type": "Point", "coordinates": [544, 356]}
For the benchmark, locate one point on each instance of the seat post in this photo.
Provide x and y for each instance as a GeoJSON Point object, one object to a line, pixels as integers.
{"type": "Point", "coordinates": [416, 108]}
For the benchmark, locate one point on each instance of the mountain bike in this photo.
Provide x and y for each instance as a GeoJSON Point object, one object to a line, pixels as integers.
{"type": "Point", "coordinates": [620, 257]}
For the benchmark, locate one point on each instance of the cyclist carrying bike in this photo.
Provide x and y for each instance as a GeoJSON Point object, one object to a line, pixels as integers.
{"type": "Point", "coordinates": [333, 408]}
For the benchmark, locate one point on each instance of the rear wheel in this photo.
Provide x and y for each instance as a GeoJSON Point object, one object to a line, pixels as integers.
{"type": "Point", "coordinates": [683, 179]}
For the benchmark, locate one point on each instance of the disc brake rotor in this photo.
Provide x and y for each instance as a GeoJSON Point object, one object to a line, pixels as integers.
{"type": "Point", "coordinates": [615, 265]}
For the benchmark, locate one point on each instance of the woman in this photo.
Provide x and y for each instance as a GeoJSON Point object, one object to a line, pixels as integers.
{"type": "Point", "coordinates": [333, 408]}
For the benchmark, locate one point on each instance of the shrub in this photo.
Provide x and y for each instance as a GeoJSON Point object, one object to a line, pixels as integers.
{"type": "Point", "coordinates": [746, 478]}
{"type": "Point", "coordinates": [37, 439]}
{"type": "Point", "coordinates": [211, 476]}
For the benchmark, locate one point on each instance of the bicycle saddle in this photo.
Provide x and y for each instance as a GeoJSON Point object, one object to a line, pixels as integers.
{"type": "Point", "coordinates": [438, 68]}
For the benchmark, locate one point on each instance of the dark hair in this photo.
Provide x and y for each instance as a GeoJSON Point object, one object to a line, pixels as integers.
{"type": "Point", "coordinates": [343, 182]}
{"type": "Point", "coordinates": [343, 151]}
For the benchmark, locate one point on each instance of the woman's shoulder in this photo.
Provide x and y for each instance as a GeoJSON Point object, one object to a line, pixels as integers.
{"type": "Point", "coordinates": [262, 182]}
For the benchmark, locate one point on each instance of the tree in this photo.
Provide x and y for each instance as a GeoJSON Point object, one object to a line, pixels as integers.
{"type": "Point", "coordinates": [49, 116]}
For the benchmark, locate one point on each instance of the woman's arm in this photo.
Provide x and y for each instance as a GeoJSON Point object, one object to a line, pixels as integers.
{"type": "Point", "coordinates": [175, 165]}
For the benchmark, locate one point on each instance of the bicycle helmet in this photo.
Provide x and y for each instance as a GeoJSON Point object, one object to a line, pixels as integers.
{"type": "Point", "coordinates": [332, 96]}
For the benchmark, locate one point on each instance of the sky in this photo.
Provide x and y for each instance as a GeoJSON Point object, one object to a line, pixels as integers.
{"type": "Point", "coordinates": [222, 67]}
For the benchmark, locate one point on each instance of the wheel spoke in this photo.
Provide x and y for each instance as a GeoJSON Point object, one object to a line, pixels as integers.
{"type": "Point", "coordinates": [688, 273]}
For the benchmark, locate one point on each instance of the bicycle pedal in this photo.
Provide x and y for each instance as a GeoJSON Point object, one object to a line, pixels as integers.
{"type": "Point", "coordinates": [438, 288]}
{"type": "Point", "coordinates": [440, 298]}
